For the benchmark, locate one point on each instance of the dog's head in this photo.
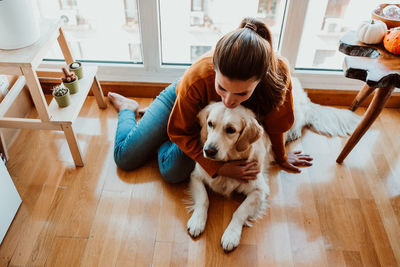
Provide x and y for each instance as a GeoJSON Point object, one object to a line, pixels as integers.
{"type": "Point", "coordinates": [227, 131]}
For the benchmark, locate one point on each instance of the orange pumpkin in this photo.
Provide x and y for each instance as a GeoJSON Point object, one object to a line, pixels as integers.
{"type": "Point", "coordinates": [392, 41]}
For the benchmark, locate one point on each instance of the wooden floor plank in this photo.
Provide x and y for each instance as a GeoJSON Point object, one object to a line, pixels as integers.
{"type": "Point", "coordinates": [197, 252]}
{"type": "Point", "coordinates": [173, 214]}
{"type": "Point", "coordinates": [33, 226]}
{"type": "Point", "coordinates": [44, 242]}
{"type": "Point", "coordinates": [362, 234]}
{"type": "Point", "coordinates": [273, 238]}
{"type": "Point", "coordinates": [137, 247]}
{"type": "Point", "coordinates": [179, 254]}
{"type": "Point", "coordinates": [382, 245]}
{"type": "Point", "coordinates": [305, 233]}
{"type": "Point", "coordinates": [84, 187]}
{"type": "Point", "coordinates": [107, 233]}
{"type": "Point", "coordinates": [162, 254]}
{"type": "Point", "coordinates": [30, 219]}
{"type": "Point", "coordinates": [66, 251]}
{"type": "Point", "coordinates": [335, 258]}
{"type": "Point", "coordinates": [352, 259]}
{"type": "Point", "coordinates": [245, 256]}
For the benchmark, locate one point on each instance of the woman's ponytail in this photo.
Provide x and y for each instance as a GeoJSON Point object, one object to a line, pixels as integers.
{"type": "Point", "coordinates": [258, 27]}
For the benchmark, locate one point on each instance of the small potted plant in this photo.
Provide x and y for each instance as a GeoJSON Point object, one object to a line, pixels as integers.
{"type": "Point", "coordinates": [76, 67]}
{"type": "Point", "coordinates": [70, 81]}
{"type": "Point", "coordinates": [62, 96]}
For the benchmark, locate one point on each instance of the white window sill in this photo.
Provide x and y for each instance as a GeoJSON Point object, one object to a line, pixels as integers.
{"type": "Point", "coordinates": [312, 79]}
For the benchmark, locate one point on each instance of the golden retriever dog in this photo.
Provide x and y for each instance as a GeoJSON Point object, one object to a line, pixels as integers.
{"type": "Point", "coordinates": [229, 134]}
{"type": "Point", "coordinates": [234, 134]}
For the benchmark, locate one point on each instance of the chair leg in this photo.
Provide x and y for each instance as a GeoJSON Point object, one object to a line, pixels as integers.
{"type": "Point", "coordinates": [35, 89]}
{"type": "Point", "coordinates": [73, 144]}
{"type": "Point", "coordinates": [98, 93]}
{"type": "Point", "coordinates": [378, 102]}
{"type": "Point", "coordinates": [64, 47]}
{"type": "Point", "coordinates": [361, 96]}
{"type": "Point", "coordinates": [3, 146]}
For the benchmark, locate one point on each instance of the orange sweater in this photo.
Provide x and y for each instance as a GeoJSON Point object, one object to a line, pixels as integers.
{"type": "Point", "coordinates": [196, 90]}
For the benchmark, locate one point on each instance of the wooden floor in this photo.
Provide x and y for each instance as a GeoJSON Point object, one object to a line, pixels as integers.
{"type": "Point", "coordinates": [329, 215]}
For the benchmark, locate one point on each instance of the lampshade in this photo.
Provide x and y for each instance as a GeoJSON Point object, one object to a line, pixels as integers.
{"type": "Point", "coordinates": [19, 26]}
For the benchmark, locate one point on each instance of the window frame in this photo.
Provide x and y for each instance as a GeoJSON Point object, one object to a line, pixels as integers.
{"type": "Point", "coordinates": [192, 9]}
{"type": "Point", "coordinates": [153, 70]}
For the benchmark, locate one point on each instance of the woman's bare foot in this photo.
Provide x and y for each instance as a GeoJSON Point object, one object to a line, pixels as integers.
{"type": "Point", "coordinates": [120, 102]}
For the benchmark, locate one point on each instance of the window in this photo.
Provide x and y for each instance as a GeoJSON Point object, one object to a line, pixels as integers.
{"type": "Point", "coordinates": [199, 24]}
{"type": "Point", "coordinates": [325, 23]}
{"type": "Point", "coordinates": [166, 36]}
{"type": "Point", "coordinates": [268, 9]}
{"type": "Point", "coordinates": [134, 52]}
{"type": "Point", "coordinates": [197, 50]}
{"type": "Point", "coordinates": [197, 13]}
{"type": "Point", "coordinates": [68, 4]}
{"type": "Point", "coordinates": [97, 30]}
{"type": "Point", "coordinates": [131, 15]}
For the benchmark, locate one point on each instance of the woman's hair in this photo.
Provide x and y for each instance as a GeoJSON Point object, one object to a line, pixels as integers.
{"type": "Point", "coordinates": [247, 53]}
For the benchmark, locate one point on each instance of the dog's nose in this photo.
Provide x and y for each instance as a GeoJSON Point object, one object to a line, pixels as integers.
{"type": "Point", "coordinates": [210, 151]}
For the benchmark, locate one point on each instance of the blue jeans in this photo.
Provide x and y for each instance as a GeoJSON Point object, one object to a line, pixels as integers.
{"type": "Point", "coordinates": [135, 142]}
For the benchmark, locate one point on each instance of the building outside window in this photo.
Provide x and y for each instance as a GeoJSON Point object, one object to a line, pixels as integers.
{"type": "Point", "coordinates": [131, 14]}
{"type": "Point", "coordinates": [268, 9]}
{"type": "Point", "coordinates": [67, 3]}
{"type": "Point", "coordinates": [197, 50]}
{"type": "Point", "coordinates": [326, 21]}
{"type": "Point", "coordinates": [208, 21]}
{"type": "Point", "coordinates": [97, 30]}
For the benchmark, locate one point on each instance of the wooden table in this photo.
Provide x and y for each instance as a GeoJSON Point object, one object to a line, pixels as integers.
{"type": "Point", "coordinates": [24, 62]}
{"type": "Point", "coordinates": [379, 69]}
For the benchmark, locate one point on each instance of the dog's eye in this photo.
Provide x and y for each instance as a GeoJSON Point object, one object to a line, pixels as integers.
{"type": "Point", "coordinates": [230, 130]}
{"type": "Point", "coordinates": [210, 124]}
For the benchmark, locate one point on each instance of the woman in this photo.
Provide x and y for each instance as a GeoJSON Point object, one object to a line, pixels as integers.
{"type": "Point", "coordinates": [242, 70]}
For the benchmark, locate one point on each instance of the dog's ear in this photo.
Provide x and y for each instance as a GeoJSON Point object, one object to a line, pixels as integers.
{"type": "Point", "coordinates": [251, 132]}
{"type": "Point", "coordinates": [203, 116]}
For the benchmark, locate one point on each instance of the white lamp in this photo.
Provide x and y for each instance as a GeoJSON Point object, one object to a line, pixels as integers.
{"type": "Point", "coordinates": [19, 26]}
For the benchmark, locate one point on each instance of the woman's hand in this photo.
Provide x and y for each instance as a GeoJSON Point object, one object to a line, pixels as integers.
{"type": "Point", "coordinates": [296, 159]}
{"type": "Point", "coordinates": [241, 170]}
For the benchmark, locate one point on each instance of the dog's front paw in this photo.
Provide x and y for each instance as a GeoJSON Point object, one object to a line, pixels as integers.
{"type": "Point", "coordinates": [196, 224]}
{"type": "Point", "coordinates": [231, 238]}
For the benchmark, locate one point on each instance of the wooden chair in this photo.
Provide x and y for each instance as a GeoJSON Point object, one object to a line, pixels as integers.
{"type": "Point", "coordinates": [24, 62]}
{"type": "Point", "coordinates": [380, 71]}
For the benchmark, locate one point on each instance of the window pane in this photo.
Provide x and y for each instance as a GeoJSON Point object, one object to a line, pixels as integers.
{"type": "Point", "coordinates": [98, 30]}
{"type": "Point", "coordinates": [191, 28]}
{"type": "Point", "coordinates": [326, 22]}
